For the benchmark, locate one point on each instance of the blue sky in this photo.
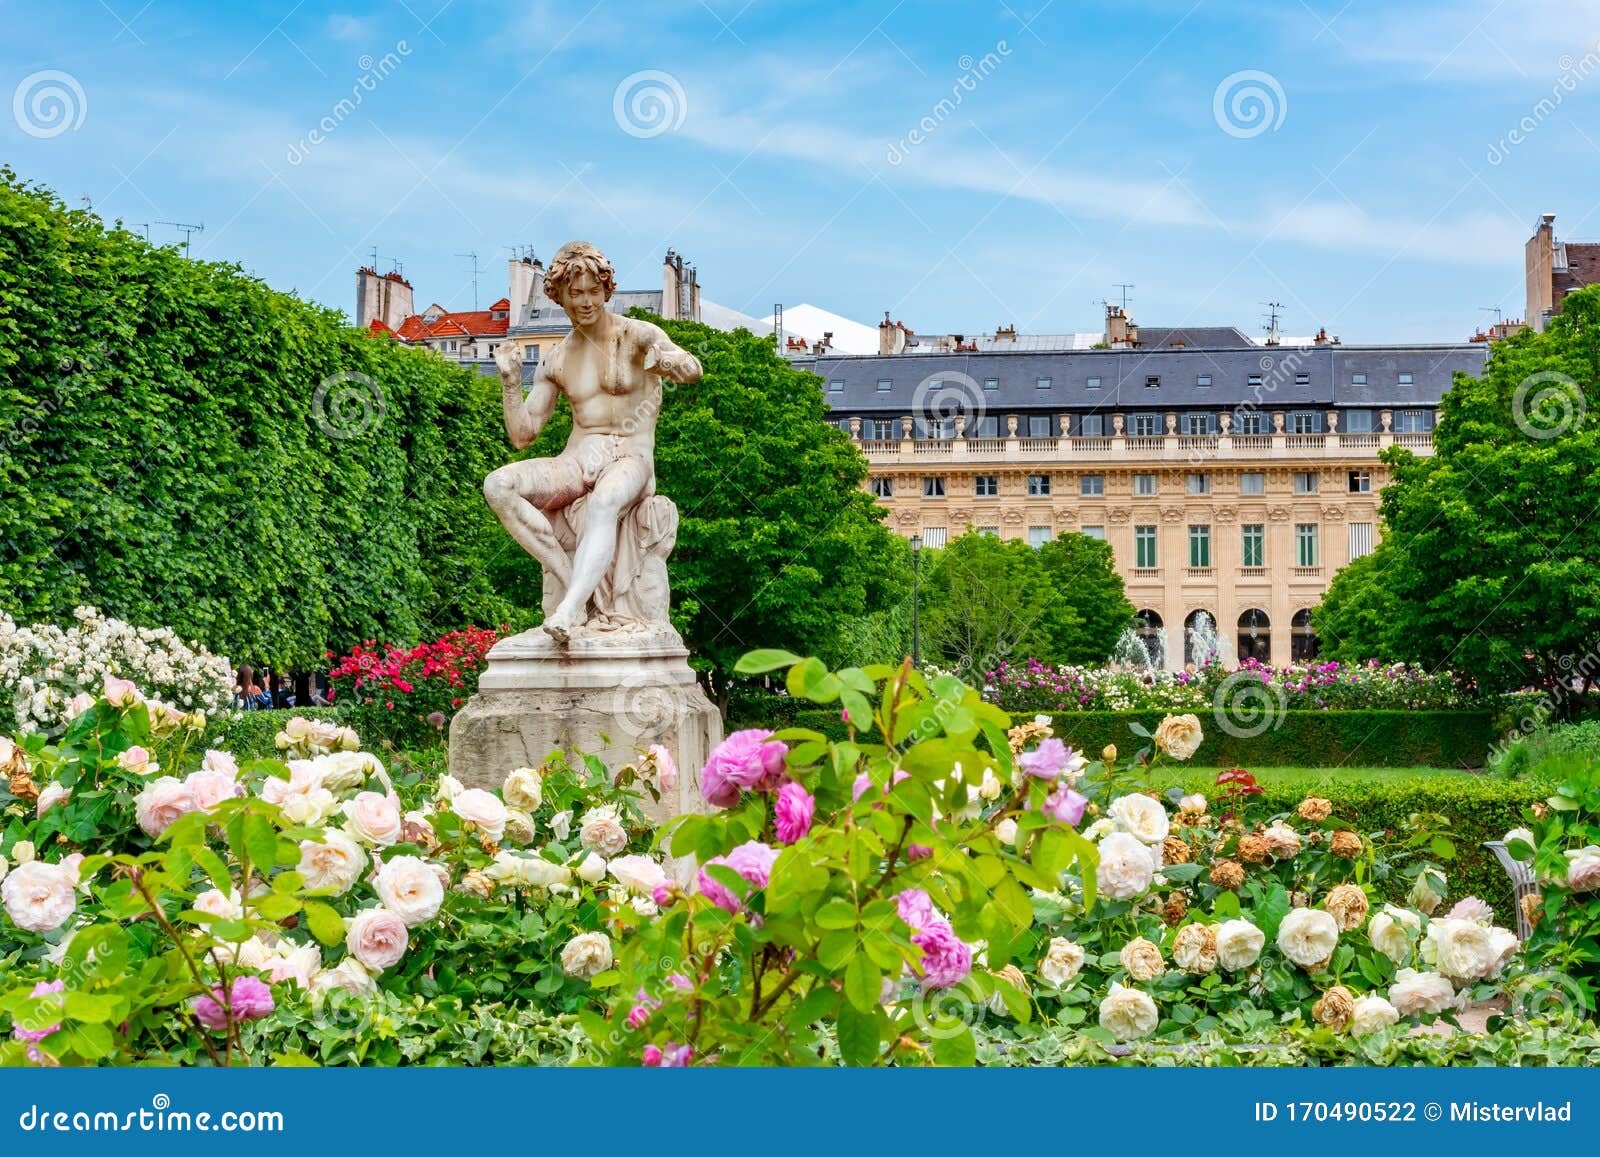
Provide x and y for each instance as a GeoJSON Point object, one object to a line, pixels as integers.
{"type": "Point", "coordinates": [1376, 191]}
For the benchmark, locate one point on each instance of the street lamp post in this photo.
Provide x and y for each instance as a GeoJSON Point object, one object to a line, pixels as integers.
{"type": "Point", "coordinates": [916, 593]}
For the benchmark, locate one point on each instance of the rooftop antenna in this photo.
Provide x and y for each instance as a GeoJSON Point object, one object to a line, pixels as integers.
{"type": "Point", "coordinates": [1272, 321]}
{"type": "Point", "coordinates": [523, 252]}
{"type": "Point", "coordinates": [1494, 309]}
{"type": "Point", "coordinates": [145, 225]}
{"type": "Point", "coordinates": [1124, 286]}
{"type": "Point", "coordinates": [373, 264]}
{"type": "Point", "coordinates": [395, 264]}
{"type": "Point", "coordinates": [474, 257]}
{"type": "Point", "coordinates": [187, 230]}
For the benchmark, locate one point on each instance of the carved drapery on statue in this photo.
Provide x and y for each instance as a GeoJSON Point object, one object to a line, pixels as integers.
{"type": "Point", "coordinates": [633, 598]}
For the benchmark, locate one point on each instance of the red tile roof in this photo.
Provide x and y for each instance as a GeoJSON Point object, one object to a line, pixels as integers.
{"type": "Point", "coordinates": [472, 323]}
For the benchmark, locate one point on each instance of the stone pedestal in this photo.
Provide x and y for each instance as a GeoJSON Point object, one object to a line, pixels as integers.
{"type": "Point", "coordinates": [604, 694]}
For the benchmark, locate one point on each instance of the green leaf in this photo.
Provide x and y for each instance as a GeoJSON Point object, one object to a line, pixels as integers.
{"type": "Point", "coordinates": [90, 1007]}
{"type": "Point", "coordinates": [863, 982]}
{"type": "Point", "coordinates": [836, 913]}
{"type": "Point", "coordinates": [261, 841]}
{"type": "Point", "coordinates": [953, 1046]}
{"type": "Point", "coordinates": [326, 924]}
{"type": "Point", "coordinates": [760, 662]}
{"type": "Point", "coordinates": [858, 1035]}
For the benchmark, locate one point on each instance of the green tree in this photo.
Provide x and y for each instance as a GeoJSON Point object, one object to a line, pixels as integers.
{"type": "Point", "coordinates": [985, 599]}
{"type": "Point", "coordinates": [1082, 575]}
{"type": "Point", "coordinates": [1490, 551]}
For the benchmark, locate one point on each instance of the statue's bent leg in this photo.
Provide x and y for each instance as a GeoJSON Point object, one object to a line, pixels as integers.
{"type": "Point", "coordinates": [620, 485]}
{"type": "Point", "coordinates": [515, 493]}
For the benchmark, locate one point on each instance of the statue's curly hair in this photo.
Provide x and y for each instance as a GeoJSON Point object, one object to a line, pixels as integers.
{"type": "Point", "coordinates": [575, 258]}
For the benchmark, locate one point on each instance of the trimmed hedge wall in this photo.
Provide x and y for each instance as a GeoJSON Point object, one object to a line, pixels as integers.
{"type": "Point", "coordinates": [1303, 738]}
{"type": "Point", "coordinates": [250, 734]}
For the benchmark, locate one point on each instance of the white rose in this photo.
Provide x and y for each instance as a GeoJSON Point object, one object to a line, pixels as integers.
{"type": "Point", "coordinates": [1503, 945]}
{"type": "Point", "coordinates": [377, 938]}
{"type": "Point", "coordinates": [294, 962]}
{"type": "Point", "coordinates": [373, 819]}
{"type": "Point", "coordinates": [1125, 869]}
{"type": "Point", "coordinates": [1394, 933]}
{"type": "Point", "coordinates": [638, 874]}
{"type": "Point", "coordinates": [560, 825]}
{"type": "Point", "coordinates": [1006, 831]}
{"type": "Point", "coordinates": [1423, 897]}
{"type": "Point", "coordinates": [524, 788]}
{"type": "Point", "coordinates": [1063, 961]}
{"type": "Point", "coordinates": [1372, 1014]}
{"type": "Point", "coordinates": [527, 871]}
{"type": "Point", "coordinates": [448, 788]}
{"type": "Point", "coordinates": [587, 955]}
{"type": "Point", "coordinates": [1100, 829]}
{"type": "Point", "coordinates": [345, 770]}
{"type": "Point", "coordinates": [222, 905]}
{"type": "Point", "coordinates": [1142, 959]}
{"type": "Point", "coordinates": [1308, 936]}
{"type": "Point", "coordinates": [310, 809]}
{"type": "Point", "coordinates": [481, 808]}
{"type": "Point", "coordinates": [52, 794]}
{"type": "Point", "coordinates": [592, 869]}
{"type": "Point", "coordinates": [1194, 949]}
{"type": "Point", "coordinates": [602, 832]}
{"type": "Point", "coordinates": [349, 975]}
{"type": "Point", "coordinates": [1141, 817]}
{"type": "Point", "coordinates": [1583, 869]}
{"type": "Point", "coordinates": [39, 897]}
{"type": "Point", "coordinates": [1416, 992]}
{"type": "Point", "coordinates": [1128, 1014]}
{"type": "Point", "coordinates": [334, 865]}
{"type": "Point", "coordinates": [23, 851]}
{"type": "Point", "coordinates": [1239, 944]}
{"type": "Point", "coordinates": [410, 888]}
{"type": "Point", "coordinates": [1458, 949]}
{"type": "Point", "coordinates": [218, 760]}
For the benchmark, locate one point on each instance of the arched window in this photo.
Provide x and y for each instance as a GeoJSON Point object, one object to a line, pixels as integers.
{"type": "Point", "coordinates": [1255, 636]}
{"type": "Point", "coordinates": [1200, 639]}
{"type": "Point", "coordinates": [1152, 635]}
{"type": "Point", "coordinates": [1303, 644]}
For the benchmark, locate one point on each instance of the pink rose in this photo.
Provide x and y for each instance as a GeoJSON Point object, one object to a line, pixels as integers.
{"type": "Point", "coordinates": [248, 999]}
{"type": "Point", "coordinates": [749, 760]}
{"type": "Point", "coordinates": [218, 760]}
{"type": "Point", "coordinates": [135, 759]}
{"type": "Point", "coordinates": [752, 860]}
{"type": "Point", "coordinates": [482, 808]}
{"type": "Point", "coordinates": [666, 766]}
{"type": "Point", "coordinates": [793, 812]}
{"type": "Point", "coordinates": [161, 804]}
{"type": "Point", "coordinates": [377, 938]}
{"type": "Point", "coordinates": [121, 692]}
{"type": "Point", "coordinates": [373, 818]}
{"type": "Point", "coordinates": [209, 788]}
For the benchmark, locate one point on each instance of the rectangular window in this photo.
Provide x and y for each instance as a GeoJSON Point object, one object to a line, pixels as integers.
{"type": "Point", "coordinates": [1405, 379]}
{"type": "Point", "coordinates": [1253, 541]}
{"type": "Point", "coordinates": [1247, 422]}
{"type": "Point", "coordinates": [883, 487]}
{"type": "Point", "coordinates": [933, 487]}
{"type": "Point", "coordinates": [991, 383]}
{"type": "Point", "coordinates": [884, 385]}
{"type": "Point", "coordinates": [1038, 536]}
{"type": "Point", "coordinates": [1092, 485]}
{"type": "Point", "coordinates": [1360, 482]}
{"type": "Point", "coordinates": [1305, 537]}
{"type": "Point", "coordinates": [1203, 380]}
{"type": "Point", "coordinates": [1255, 381]}
{"type": "Point", "coordinates": [1043, 383]}
{"type": "Point", "coordinates": [1038, 485]}
{"type": "Point", "coordinates": [1144, 484]}
{"type": "Point", "coordinates": [1092, 426]}
{"type": "Point", "coordinates": [1092, 384]}
{"type": "Point", "coordinates": [1199, 484]}
{"type": "Point", "coordinates": [991, 531]}
{"type": "Point", "coordinates": [1358, 379]}
{"type": "Point", "coordinates": [1144, 547]}
{"type": "Point", "coordinates": [1095, 532]}
{"type": "Point", "coordinates": [935, 537]}
{"type": "Point", "coordinates": [1152, 382]}
{"type": "Point", "coordinates": [1358, 422]}
{"type": "Point", "coordinates": [1302, 379]}
{"type": "Point", "coordinates": [1305, 482]}
{"type": "Point", "coordinates": [987, 427]}
{"type": "Point", "coordinates": [1252, 482]}
{"type": "Point", "coordinates": [1413, 421]}
{"type": "Point", "coordinates": [1038, 425]}
{"type": "Point", "coordinates": [986, 485]}
{"type": "Point", "coordinates": [1144, 425]}
{"type": "Point", "coordinates": [1197, 424]}
{"type": "Point", "coordinates": [1303, 422]}
{"type": "Point", "coordinates": [1360, 540]}
{"type": "Point", "coordinates": [835, 386]}
{"type": "Point", "coordinates": [879, 429]}
{"type": "Point", "coordinates": [1200, 546]}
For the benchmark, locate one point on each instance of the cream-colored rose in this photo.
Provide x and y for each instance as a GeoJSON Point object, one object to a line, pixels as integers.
{"type": "Point", "coordinates": [1125, 869]}
{"type": "Point", "coordinates": [23, 851]}
{"type": "Point", "coordinates": [1193, 805]}
{"type": "Point", "coordinates": [1100, 829]}
{"type": "Point", "coordinates": [323, 733]}
{"type": "Point", "coordinates": [1239, 944]}
{"type": "Point", "coordinates": [294, 962]}
{"type": "Point", "coordinates": [410, 888]}
{"type": "Point", "coordinates": [1308, 937]}
{"type": "Point", "coordinates": [311, 809]}
{"type": "Point", "coordinates": [298, 729]}
{"type": "Point", "coordinates": [1424, 897]}
{"type": "Point", "coordinates": [373, 819]}
{"type": "Point", "coordinates": [222, 905]}
{"type": "Point", "coordinates": [520, 828]}
{"type": "Point", "coordinates": [1583, 869]}
{"type": "Point", "coordinates": [162, 802]}
{"type": "Point", "coordinates": [560, 825]}
{"type": "Point", "coordinates": [1006, 832]}
{"type": "Point", "coordinates": [1348, 904]}
{"type": "Point", "coordinates": [1179, 736]}
{"type": "Point", "coordinates": [638, 874]}
{"type": "Point", "coordinates": [483, 809]}
{"type": "Point", "coordinates": [349, 975]}
{"type": "Point", "coordinates": [1416, 992]}
{"type": "Point", "coordinates": [345, 770]}
{"type": "Point", "coordinates": [39, 897]}
{"type": "Point", "coordinates": [602, 832]}
{"type": "Point", "coordinates": [1061, 963]}
{"type": "Point", "coordinates": [52, 794]}
{"type": "Point", "coordinates": [591, 869]}
{"type": "Point", "coordinates": [1503, 945]}
{"type": "Point", "coordinates": [1141, 959]}
{"type": "Point", "coordinates": [524, 788]}
{"type": "Point", "coordinates": [1282, 841]}
{"type": "Point", "coordinates": [1394, 932]}
{"type": "Point", "coordinates": [348, 739]}
{"type": "Point", "coordinates": [587, 955]}
{"type": "Point", "coordinates": [1141, 817]}
{"type": "Point", "coordinates": [1128, 1014]}
{"type": "Point", "coordinates": [1457, 949]}
{"type": "Point", "coordinates": [334, 865]}
{"type": "Point", "coordinates": [527, 871]}
{"type": "Point", "coordinates": [377, 938]}
{"type": "Point", "coordinates": [448, 787]}
{"type": "Point", "coordinates": [1194, 949]}
{"type": "Point", "coordinates": [1372, 1014]}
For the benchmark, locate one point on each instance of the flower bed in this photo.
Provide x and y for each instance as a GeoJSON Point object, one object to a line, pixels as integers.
{"type": "Point", "coordinates": [407, 694]}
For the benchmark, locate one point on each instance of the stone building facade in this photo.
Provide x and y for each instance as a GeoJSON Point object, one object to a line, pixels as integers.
{"type": "Point", "coordinates": [1231, 480]}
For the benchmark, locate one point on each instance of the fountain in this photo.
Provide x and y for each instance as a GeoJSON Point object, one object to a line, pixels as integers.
{"type": "Point", "coordinates": [1133, 651]}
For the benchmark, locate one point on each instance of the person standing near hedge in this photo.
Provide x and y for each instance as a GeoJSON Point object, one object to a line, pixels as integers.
{"type": "Point", "coordinates": [248, 695]}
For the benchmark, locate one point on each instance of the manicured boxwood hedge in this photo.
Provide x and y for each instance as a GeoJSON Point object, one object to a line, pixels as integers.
{"type": "Point", "coordinates": [250, 734]}
{"type": "Point", "coordinates": [1302, 739]}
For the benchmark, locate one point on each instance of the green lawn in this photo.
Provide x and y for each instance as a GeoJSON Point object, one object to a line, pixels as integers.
{"type": "Point", "coordinates": [1197, 777]}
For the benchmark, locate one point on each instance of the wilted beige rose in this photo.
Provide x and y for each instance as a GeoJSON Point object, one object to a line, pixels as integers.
{"type": "Point", "coordinates": [1335, 1008]}
{"type": "Point", "coordinates": [1532, 908]}
{"type": "Point", "coordinates": [475, 883]}
{"type": "Point", "coordinates": [1227, 875]}
{"type": "Point", "coordinates": [1194, 949]}
{"type": "Point", "coordinates": [1345, 844]}
{"type": "Point", "coordinates": [1175, 851]}
{"type": "Point", "coordinates": [1174, 909]}
{"type": "Point", "coordinates": [1349, 906]}
{"type": "Point", "coordinates": [1061, 962]}
{"type": "Point", "coordinates": [1142, 959]}
{"type": "Point", "coordinates": [1179, 736]}
{"type": "Point", "coordinates": [1315, 809]}
{"type": "Point", "coordinates": [1254, 849]}
{"type": "Point", "coordinates": [1011, 975]}
{"type": "Point", "coordinates": [1282, 841]}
